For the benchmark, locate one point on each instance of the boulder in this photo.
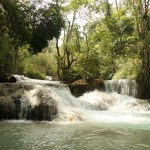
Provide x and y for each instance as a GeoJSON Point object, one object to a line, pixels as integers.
{"type": "Point", "coordinates": [45, 107]}
{"type": "Point", "coordinates": [79, 87]}
{"type": "Point", "coordinates": [12, 79]}
{"type": "Point", "coordinates": [10, 99]}
{"type": "Point", "coordinates": [16, 102]}
{"type": "Point", "coordinates": [7, 78]}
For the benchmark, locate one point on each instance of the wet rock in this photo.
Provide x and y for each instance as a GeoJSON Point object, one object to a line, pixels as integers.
{"type": "Point", "coordinates": [12, 79]}
{"type": "Point", "coordinates": [143, 89]}
{"type": "Point", "coordinates": [80, 87]}
{"type": "Point", "coordinates": [45, 108]}
{"type": "Point", "coordinates": [10, 100]}
{"type": "Point", "coordinates": [7, 78]}
{"type": "Point", "coordinates": [15, 102]}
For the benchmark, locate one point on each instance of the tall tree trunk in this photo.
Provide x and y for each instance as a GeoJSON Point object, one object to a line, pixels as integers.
{"type": "Point", "coordinates": [108, 13]}
{"type": "Point", "coordinates": [58, 59]}
{"type": "Point", "coordinates": [15, 59]}
{"type": "Point", "coordinates": [141, 8]}
{"type": "Point", "coordinates": [143, 14]}
{"type": "Point", "coordinates": [69, 31]}
{"type": "Point", "coordinates": [88, 51]}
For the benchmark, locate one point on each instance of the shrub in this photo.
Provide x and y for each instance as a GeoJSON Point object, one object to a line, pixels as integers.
{"type": "Point", "coordinates": [35, 66]}
{"type": "Point", "coordinates": [34, 74]}
{"type": "Point", "coordinates": [69, 76]}
{"type": "Point", "coordinates": [128, 69]}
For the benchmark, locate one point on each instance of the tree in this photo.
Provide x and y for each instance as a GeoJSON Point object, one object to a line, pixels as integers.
{"type": "Point", "coordinates": [47, 24]}
{"type": "Point", "coordinates": [17, 26]}
{"type": "Point", "coordinates": [27, 24]}
{"type": "Point", "coordinates": [58, 11]}
{"type": "Point", "coordinates": [140, 10]}
{"type": "Point", "coordinates": [72, 36]}
{"type": "Point", "coordinates": [5, 52]}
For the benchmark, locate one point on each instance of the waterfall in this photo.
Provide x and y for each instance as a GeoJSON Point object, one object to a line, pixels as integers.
{"type": "Point", "coordinates": [49, 100]}
{"type": "Point", "coordinates": [123, 86]}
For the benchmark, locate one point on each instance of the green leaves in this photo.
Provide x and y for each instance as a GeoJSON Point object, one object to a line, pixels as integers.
{"type": "Point", "coordinates": [47, 24]}
{"type": "Point", "coordinates": [28, 25]}
{"type": "Point", "coordinates": [17, 22]}
{"type": "Point", "coordinates": [23, 23]}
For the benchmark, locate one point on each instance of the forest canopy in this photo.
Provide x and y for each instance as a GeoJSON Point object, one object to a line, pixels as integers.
{"type": "Point", "coordinates": [72, 40]}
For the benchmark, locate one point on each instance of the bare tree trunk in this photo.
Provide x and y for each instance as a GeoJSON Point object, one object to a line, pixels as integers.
{"type": "Point", "coordinates": [58, 59]}
{"type": "Point", "coordinates": [107, 8]}
{"type": "Point", "coordinates": [70, 28]}
{"type": "Point", "coordinates": [116, 3]}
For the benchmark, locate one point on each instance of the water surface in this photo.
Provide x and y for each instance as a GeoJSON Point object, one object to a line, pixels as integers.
{"type": "Point", "coordinates": [81, 135]}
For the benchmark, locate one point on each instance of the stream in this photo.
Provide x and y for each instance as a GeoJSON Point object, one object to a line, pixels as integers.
{"type": "Point", "coordinates": [97, 120]}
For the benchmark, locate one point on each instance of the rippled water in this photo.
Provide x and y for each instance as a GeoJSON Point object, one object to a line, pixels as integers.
{"type": "Point", "coordinates": [112, 134]}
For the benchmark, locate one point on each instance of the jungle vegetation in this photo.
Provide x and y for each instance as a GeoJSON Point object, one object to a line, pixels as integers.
{"type": "Point", "coordinates": [75, 39]}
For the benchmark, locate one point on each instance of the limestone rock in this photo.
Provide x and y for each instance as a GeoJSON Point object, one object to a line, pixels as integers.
{"type": "Point", "coordinates": [16, 103]}
{"type": "Point", "coordinates": [80, 87]}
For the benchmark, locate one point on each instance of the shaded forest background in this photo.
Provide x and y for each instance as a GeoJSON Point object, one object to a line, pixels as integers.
{"type": "Point", "coordinates": [70, 39]}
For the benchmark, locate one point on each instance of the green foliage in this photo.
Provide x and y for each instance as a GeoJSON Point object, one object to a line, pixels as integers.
{"type": "Point", "coordinates": [109, 38]}
{"type": "Point", "coordinates": [89, 65]}
{"type": "Point", "coordinates": [101, 47]}
{"type": "Point", "coordinates": [127, 68]}
{"type": "Point", "coordinates": [5, 58]}
{"type": "Point", "coordinates": [23, 23]}
{"type": "Point", "coordinates": [6, 55]}
{"type": "Point", "coordinates": [115, 44]}
{"type": "Point", "coordinates": [24, 57]}
{"type": "Point", "coordinates": [69, 76]}
{"type": "Point", "coordinates": [47, 24]}
{"type": "Point", "coordinates": [34, 74]}
{"type": "Point", "coordinates": [17, 22]}
{"type": "Point", "coordinates": [44, 62]}
{"type": "Point", "coordinates": [29, 25]}
{"type": "Point", "coordinates": [36, 66]}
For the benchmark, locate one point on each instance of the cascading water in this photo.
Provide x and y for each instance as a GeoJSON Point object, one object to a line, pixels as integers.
{"type": "Point", "coordinates": [123, 86]}
{"type": "Point", "coordinates": [50, 100]}
{"type": "Point", "coordinates": [98, 105]}
{"type": "Point", "coordinates": [125, 93]}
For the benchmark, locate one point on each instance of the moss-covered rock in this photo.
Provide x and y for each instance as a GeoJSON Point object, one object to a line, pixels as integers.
{"type": "Point", "coordinates": [79, 87]}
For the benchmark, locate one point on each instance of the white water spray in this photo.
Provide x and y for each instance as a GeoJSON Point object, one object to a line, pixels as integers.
{"type": "Point", "coordinates": [94, 105]}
